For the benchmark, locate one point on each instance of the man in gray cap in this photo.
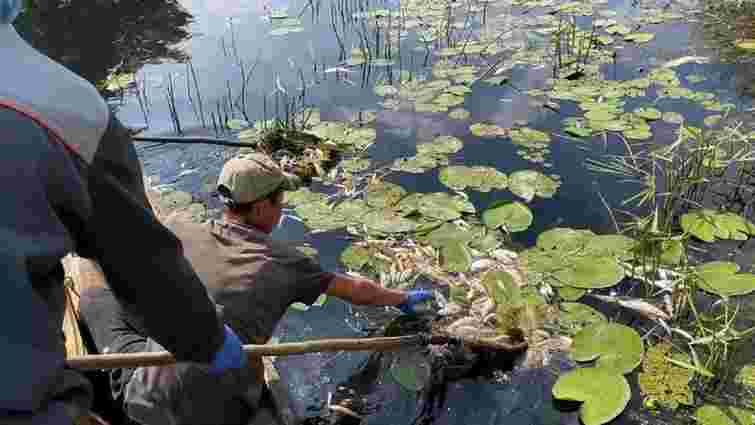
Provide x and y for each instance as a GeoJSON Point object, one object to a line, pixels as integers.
{"type": "Point", "coordinates": [253, 279]}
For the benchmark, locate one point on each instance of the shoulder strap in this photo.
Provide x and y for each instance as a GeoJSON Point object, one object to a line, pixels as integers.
{"type": "Point", "coordinates": [55, 134]}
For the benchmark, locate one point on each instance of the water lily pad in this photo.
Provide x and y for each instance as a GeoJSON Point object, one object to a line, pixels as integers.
{"type": "Point", "coordinates": [578, 131]}
{"type": "Point", "coordinates": [528, 183]}
{"type": "Point", "coordinates": [411, 370]}
{"type": "Point", "coordinates": [442, 206]}
{"type": "Point", "coordinates": [673, 117]}
{"type": "Point", "coordinates": [355, 257]}
{"type": "Point", "coordinates": [383, 194]}
{"type": "Point", "coordinates": [712, 120]}
{"type": "Point", "coordinates": [387, 222]}
{"type": "Point", "coordinates": [565, 239]}
{"type": "Point", "coordinates": [723, 415]}
{"type": "Point", "coordinates": [455, 257]}
{"type": "Point", "coordinates": [618, 29]}
{"type": "Point", "coordinates": [526, 136]}
{"type": "Point", "coordinates": [459, 114]}
{"type": "Point", "coordinates": [696, 78]}
{"type": "Point", "coordinates": [573, 317]}
{"type": "Point", "coordinates": [614, 347]}
{"type": "Point", "coordinates": [746, 376]}
{"type": "Point", "coordinates": [443, 145]}
{"type": "Point", "coordinates": [512, 216]}
{"type": "Point", "coordinates": [590, 273]}
{"type": "Point", "coordinates": [481, 178]}
{"type": "Point", "coordinates": [488, 130]}
{"type": "Point", "coordinates": [746, 44]}
{"type": "Point", "coordinates": [721, 278]}
{"type": "Point", "coordinates": [639, 37]}
{"type": "Point", "coordinates": [604, 394]}
{"type": "Point", "coordinates": [418, 164]}
{"type": "Point", "coordinates": [648, 113]}
{"type": "Point", "coordinates": [567, 293]}
{"type": "Point", "coordinates": [384, 90]}
{"type": "Point", "coordinates": [638, 134]}
{"type": "Point", "coordinates": [707, 225]}
{"type": "Point", "coordinates": [502, 288]}
{"type": "Point", "coordinates": [449, 233]}
{"type": "Point", "coordinates": [619, 246]}
{"type": "Point", "coordinates": [173, 200]}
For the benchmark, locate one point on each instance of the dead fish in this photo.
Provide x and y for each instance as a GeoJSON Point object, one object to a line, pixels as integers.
{"type": "Point", "coordinates": [641, 306]}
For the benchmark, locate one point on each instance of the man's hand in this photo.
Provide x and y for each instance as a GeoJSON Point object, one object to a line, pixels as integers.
{"type": "Point", "coordinates": [231, 354]}
{"type": "Point", "coordinates": [413, 298]}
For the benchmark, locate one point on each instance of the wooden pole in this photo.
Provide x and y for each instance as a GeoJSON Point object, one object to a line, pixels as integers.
{"type": "Point", "coordinates": [133, 360]}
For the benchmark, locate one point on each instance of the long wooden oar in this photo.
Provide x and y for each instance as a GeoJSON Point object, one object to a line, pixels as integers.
{"type": "Point", "coordinates": [133, 360]}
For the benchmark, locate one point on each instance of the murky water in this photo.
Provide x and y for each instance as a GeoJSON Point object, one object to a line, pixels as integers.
{"type": "Point", "coordinates": [226, 33]}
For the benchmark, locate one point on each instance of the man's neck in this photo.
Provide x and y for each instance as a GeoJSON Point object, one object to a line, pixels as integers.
{"type": "Point", "coordinates": [237, 219]}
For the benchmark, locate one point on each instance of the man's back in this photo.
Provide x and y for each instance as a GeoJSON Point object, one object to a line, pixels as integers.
{"type": "Point", "coordinates": [253, 277]}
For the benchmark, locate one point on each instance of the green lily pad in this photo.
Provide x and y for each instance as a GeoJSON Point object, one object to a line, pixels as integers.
{"type": "Point", "coordinates": [528, 183]}
{"type": "Point", "coordinates": [614, 347]}
{"type": "Point", "coordinates": [443, 145]}
{"type": "Point", "coordinates": [638, 134]}
{"type": "Point", "coordinates": [481, 178]}
{"type": "Point", "coordinates": [355, 257]}
{"type": "Point", "coordinates": [418, 164]}
{"type": "Point", "coordinates": [502, 288]}
{"type": "Point", "coordinates": [721, 278]}
{"type": "Point", "coordinates": [529, 137]}
{"type": "Point", "coordinates": [442, 206]}
{"type": "Point", "coordinates": [512, 216]}
{"type": "Point", "coordinates": [618, 29]}
{"type": "Point", "coordinates": [723, 415]}
{"type": "Point", "coordinates": [712, 120]}
{"type": "Point", "coordinates": [384, 90]}
{"type": "Point", "coordinates": [639, 37]}
{"type": "Point", "coordinates": [707, 225]}
{"type": "Point", "coordinates": [746, 44]}
{"type": "Point", "coordinates": [578, 131]}
{"type": "Point", "coordinates": [695, 78]}
{"type": "Point", "coordinates": [172, 200]}
{"type": "Point", "coordinates": [567, 293]}
{"type": "Point", "coordinates": [455, 257]}
{"type": "Point", "coordinates": [611, 245]}
{"type": "Point", "coordinates": [447, 234]}
{"type": "Point", "coordinates": [564, 239]}
{"type": "Point", "coordinates": [649, 114]}
{"type": "Point", "coordinates": [459, 114]}
{"type": "Point", "coordinates": [673, 117]}
{"type": "Point", "coordinates": [355, 165]}
{"type": "Point", "coordinates": [746, 376]}
{"type": "Point", "coordinates": [591, 273]}
{"type": "Point", "coordinates": [488, 130]}
{"type": "Point", "coordinates": [411, 371]}
{"type": "Point", "coordinates": [382, 194]}
{"type": "Point", "coordinates": [573, 317]}
{"type": "Point", "coordinates": [387, 222]}
{"type": "Point", "coordinates": [604, 394]}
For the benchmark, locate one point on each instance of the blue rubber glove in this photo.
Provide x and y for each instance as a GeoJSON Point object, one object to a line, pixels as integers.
{"type": "Point", "coordinates": [230, 356]}
{"type": "Point", "coordinates": [413, 298]}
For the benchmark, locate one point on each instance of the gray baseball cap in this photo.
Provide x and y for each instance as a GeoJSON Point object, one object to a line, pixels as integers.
{"type": "Point", "coordinates": [253, 176]}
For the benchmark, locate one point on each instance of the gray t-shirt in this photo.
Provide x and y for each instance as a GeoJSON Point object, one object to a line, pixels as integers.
{"type": "Point", "coordinates": [253, 277]}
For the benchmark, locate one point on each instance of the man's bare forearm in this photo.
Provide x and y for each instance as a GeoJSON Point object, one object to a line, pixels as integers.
{"type": "Point", "coordinates": [362, 291]}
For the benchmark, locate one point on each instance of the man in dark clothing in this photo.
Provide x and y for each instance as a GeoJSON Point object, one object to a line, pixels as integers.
{"type": "Point", "coordinates": [242, 267]}
{"type": "Point", "coordinates": [69, 171]}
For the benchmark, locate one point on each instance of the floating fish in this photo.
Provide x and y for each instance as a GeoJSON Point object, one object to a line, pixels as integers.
{"type": "Point", "coordinates": [639, 305]}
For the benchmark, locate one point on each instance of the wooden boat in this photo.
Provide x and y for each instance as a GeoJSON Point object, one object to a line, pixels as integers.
{"type": "Point", "coordinates": [83, 274]}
